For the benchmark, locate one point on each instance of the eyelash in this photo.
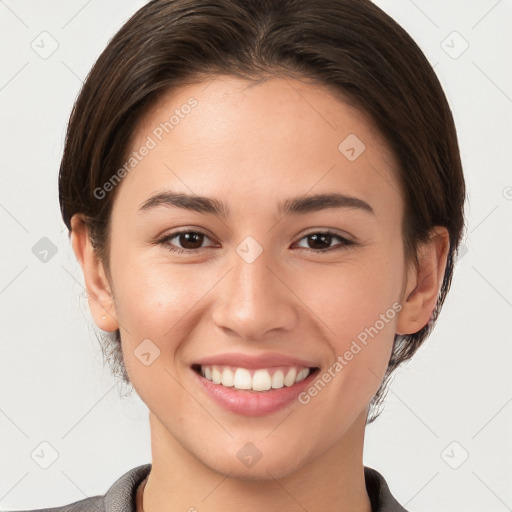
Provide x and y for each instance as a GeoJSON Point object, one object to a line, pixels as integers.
{"type": "Point", "coordinates": [165, 242]}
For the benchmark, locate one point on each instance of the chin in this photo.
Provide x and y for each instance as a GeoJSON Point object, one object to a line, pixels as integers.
{"type": "Point", "coordinates": [250, 464]}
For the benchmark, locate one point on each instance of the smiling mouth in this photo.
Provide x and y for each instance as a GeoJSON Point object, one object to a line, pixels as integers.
{"type": "Point", "coordinates": [263, 379]}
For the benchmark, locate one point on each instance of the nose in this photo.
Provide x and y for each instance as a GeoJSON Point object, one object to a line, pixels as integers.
{"type": "Point", "coordinates": [254, 300]}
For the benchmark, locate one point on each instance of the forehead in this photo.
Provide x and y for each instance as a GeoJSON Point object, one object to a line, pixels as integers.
{"type": "Point", "coordinates": [232, 138]}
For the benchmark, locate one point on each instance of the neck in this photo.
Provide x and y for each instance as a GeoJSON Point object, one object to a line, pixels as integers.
{"type": "Point", "coordinates": [332, 481]}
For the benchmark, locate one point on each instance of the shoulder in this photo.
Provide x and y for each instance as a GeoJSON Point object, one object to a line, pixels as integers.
{"type": "Point", "coordinates": [380, 495]}
{"type": "Point", "coordinates": [119, 497]}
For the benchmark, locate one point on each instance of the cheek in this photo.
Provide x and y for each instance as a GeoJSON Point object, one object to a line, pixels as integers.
{"type": "Point", "coordinates": [152, 297]}
{"type": "Point", "coordinates": [154, 308]}
{"type": "Point", "coordinates": [162, 303]}
{"type": "Point", "coordinates": [359, 305]}
{"type": "Point", "coordinates": [354, 297]}
{"type": "Point", "coordinates": [360, 356]}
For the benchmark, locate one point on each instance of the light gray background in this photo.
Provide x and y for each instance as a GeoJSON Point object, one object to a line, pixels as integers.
{"type": "Point", "coordinates": [453, 400]}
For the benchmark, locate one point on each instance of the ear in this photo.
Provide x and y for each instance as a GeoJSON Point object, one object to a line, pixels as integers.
{"type": "Point", "coordinates": [99, 293]}
{"type": "Point", "coordinates": [424, 283]}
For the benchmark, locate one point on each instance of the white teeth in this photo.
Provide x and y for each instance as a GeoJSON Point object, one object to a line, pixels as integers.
{"type": "Point", "coordinates": [302, 374]}
{"type": "Point", "coordinates": [289, 380]}
{"type": "Point", "coordinates": [216, 375]}
{"type": "Point", "coordinates": [242, 379]}
{"type": "Point", "coordinates": [227, 378]}
{"type": "Point", "coordinates": [278, 379]}
{"type": "Point", "coordinates": [261, 380]}
{"type": "Point", "coordinates": [255, 380]}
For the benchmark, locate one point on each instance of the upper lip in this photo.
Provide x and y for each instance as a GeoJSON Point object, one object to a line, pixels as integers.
{"type": "Point", "coordinates": [267, 360]}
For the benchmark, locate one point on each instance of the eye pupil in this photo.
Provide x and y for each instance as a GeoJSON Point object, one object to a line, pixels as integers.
{"type": "Point", "coordinates": [187, 238]}
{"type": "Point", "coordinates": [320, 237]}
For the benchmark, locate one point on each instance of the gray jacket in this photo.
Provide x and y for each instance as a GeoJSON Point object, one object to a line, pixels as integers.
{"type": "Point", "coordinates": [121, 495]}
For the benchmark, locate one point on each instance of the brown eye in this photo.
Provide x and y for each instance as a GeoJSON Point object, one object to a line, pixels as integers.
{"type": "Point", "coordinates": [190, 241]}
{"type": "Point", "coordinates": [321, 241]}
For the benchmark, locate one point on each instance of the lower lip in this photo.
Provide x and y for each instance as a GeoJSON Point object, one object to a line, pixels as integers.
{"type": "Point", "coordinates": [253, 403]}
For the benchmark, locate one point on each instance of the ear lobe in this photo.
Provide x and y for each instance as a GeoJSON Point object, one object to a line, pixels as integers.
{"type": "Point", "coordinates": [99, 293]}
{"type": "Point", "coordinates": [424, 283]}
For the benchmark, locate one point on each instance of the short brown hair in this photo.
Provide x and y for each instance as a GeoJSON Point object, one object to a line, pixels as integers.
{"type": "Point", "coordinates": [350, 46]}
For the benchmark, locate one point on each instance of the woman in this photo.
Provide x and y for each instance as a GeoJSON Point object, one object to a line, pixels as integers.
{"type": "Point", "coordinates": [266, 199]}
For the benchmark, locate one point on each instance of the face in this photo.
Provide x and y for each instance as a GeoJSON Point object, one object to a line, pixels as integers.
{"type": "Point", "coordinates": [258, 286]}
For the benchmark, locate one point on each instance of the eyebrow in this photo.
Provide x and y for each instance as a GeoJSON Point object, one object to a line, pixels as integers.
{"type": "Point", "coordinates": [294, 205]}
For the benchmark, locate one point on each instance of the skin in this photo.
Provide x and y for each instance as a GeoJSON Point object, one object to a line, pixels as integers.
{"type": "Point", "coordinates": [252, 146]}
